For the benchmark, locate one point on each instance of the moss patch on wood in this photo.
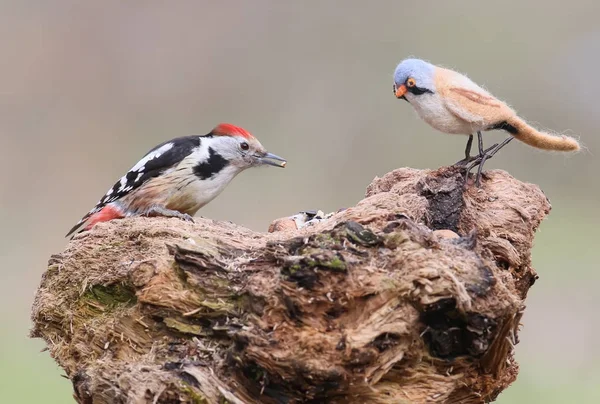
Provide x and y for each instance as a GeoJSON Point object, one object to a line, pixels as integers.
{"type": "Point", "coordinates": [110, 296]}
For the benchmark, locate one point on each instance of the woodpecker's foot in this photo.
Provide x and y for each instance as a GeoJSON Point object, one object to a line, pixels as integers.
{"type": "Point", "coordinates": [482, 158]}
{"type": "Point", "coordinates": [160, 211]}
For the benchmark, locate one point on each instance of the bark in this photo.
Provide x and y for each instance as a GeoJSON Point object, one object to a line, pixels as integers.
{"type": "Point", "coordinates": [413, 295]}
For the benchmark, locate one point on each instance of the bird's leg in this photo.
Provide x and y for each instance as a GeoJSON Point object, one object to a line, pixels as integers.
{"type": "Point", "coordinates": [475, 161]}
{"type": "Point", "coordinates": [162, 211]}
{"type": "Point", "coordinates": [468, 148]}
{"type": "Point", "coordinates": [484, 155]}
{"type": "Point", "coordinates": [468, 157]}
{"type": "Point", "coordinates": [480, 144]}
{"type": "Point", "coordinates": [489, 155]}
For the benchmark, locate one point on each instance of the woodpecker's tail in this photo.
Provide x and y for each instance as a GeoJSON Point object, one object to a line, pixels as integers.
{"type": "Point", "coordinates": [533, 137]}
{"type": "Point", "coordinates": [76, 227]}
{"type": "Point", "coordinates": [96, 215]}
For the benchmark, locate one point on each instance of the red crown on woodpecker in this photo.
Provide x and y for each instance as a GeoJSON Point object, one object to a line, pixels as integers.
{"type": "Point", "coordinates": [227, 129]}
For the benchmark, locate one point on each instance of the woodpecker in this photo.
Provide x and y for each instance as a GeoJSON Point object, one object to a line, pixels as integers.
{"type": "Point", "coordinates": [179, 176]}
{"type": "Point", "coordinates": [451, 103]}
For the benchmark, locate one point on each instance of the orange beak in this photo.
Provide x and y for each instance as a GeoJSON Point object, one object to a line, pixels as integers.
{"type": "Point", "coordinates": [400, 91]}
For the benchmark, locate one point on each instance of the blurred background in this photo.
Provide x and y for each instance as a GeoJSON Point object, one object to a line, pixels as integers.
{"type": "Point", "coordinates": [87, 89]}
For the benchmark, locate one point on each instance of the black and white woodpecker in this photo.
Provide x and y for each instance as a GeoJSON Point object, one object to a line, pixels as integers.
{"type": "Point", "coordinates": [178, 177]}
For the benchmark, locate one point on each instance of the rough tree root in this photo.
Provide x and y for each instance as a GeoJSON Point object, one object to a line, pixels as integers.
{"type": "Point", "coordinates": [413, 295]}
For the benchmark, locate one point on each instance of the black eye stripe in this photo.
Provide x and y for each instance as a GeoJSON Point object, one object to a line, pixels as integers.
{"type": "Point", "coordinates": [418, 90]}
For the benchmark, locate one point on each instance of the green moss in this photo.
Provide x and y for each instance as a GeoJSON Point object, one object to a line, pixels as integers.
{"type": "Point", "coordinates": [222, 307]}
{"type": "Point", "coordinates": [316, 258]}
{"type": "Point", "coordinates": [184, 328]}
{"type": "Point", "coordinates": [394, 240]}
{"type": "Point", "coordinates": [325, 239]}
{"type": "Point", "coordinates": [358, 234]}
{"type": "Point", "coordinates": [110, 245]}
{"type": "Point", "coordinates": [294, 268]}
{"type": "Point", "coordinates": [335, 263]}
{"type": "Point", "coordinates": [111, 296]}
{"type": "Point", "coordinates": [308, 251]}
{"type": "Point", "coordinates": [216, 308]}
{"type": "Point", "coordinates": [196, 397]}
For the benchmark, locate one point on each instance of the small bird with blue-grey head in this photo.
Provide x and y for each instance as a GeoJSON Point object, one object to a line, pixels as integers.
{"type": "Point", "coordinates": [451, 103]}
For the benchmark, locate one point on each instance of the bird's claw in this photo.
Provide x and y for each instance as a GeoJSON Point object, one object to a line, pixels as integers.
{"type": "Point", "coordinates": [183, 216]}
{"type": "Point", "coordinates": [475, 160]}
{"type": "Point", "coordinates": [160, 211]}
{"type": "Point", "coordinates": [462, 162]}
{"type": "Point", "coordinates": [482, 158]}
{"type": "Point", "coordinates": [466, 161]}
{"type": "Point", "coordinates": [187, 218]}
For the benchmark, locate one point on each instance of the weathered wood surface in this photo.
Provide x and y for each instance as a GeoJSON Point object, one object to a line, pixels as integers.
{"type": "Point", "coordinates": [413, 295]}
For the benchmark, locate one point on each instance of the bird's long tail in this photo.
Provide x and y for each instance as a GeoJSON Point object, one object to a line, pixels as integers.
{"type": "Point", "coordinates": [533, 137]}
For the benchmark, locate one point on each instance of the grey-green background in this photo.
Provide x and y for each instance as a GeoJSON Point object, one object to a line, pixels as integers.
{"type": "Point", "coordinates": [86, 88]}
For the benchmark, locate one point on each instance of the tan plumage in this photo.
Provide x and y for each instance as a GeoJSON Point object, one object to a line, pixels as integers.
{"type": "Point", "coordinates": [480, 108]}
{"type": "Point", "coordinates": [452, 103]}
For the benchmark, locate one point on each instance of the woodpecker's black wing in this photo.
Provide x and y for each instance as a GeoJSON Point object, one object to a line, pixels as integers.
{"type": "Point", "coordinates": [158, 160]}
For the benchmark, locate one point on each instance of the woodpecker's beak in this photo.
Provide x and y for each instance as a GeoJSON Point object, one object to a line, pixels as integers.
{"type": "Point", "coordinates": [400, 91]}
{"type": "Point", "coordinates": [272, 160]}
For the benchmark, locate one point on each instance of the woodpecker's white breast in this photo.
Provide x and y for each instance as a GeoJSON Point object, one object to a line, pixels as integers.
{"type": "Point", "coordinates": [199, 178]}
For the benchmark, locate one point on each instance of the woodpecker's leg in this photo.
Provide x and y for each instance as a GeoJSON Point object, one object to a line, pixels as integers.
{"type": "Point", "coordinates": [161, 211]}
{"type": "Point", "coordinates": [468, 157]}
{"type": "Point", "coordinates": [488, 155]}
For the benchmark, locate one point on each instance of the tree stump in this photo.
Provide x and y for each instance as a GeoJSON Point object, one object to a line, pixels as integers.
{"type": "Point", "coordinates": [413, 295]}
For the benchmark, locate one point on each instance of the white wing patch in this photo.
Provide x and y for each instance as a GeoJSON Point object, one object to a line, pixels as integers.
{"type": "Point", "coordinates": [125, 185]}
{"type": "Point", "coordinates": [153, 164]}
{"type": "Point", "coordinates": [152, 155]}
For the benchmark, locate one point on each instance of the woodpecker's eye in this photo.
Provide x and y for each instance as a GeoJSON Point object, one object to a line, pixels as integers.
{"type": "Point", "coordinates": [411, 82]}
{"type": "Point", "coordinates": [244, 146]}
